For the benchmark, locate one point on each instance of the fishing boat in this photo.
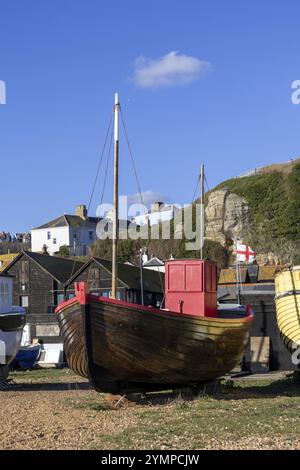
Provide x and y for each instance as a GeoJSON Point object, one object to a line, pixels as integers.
{"type": "Point", "coordinates": [12, 321]}
{"type": "Point", "coordinates": [123, 347]}
{"type": "Point", "coordinates": [287, 301]}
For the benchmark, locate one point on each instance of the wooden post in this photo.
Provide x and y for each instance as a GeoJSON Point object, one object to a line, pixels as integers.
{"type": "Point", "coordinates": [116, 200]}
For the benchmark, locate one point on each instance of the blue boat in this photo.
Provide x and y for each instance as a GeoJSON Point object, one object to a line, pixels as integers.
{"type": "Point", "coordinates": [27, 356]}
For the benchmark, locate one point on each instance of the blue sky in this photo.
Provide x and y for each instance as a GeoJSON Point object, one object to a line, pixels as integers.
{"type": "Point", "coordinates": [225, 100]}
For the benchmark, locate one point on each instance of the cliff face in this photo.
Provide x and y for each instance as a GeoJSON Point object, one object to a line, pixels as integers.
{"type": "Point", "coordinates": [262, 209]}
{"type": "Point", "coordinates": [227, 215]}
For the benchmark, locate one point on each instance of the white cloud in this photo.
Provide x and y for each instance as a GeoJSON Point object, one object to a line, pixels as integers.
{"type": "Point", "coordinates": [170, 70]}
{"type": "Point", "coordinates": [148, 198]}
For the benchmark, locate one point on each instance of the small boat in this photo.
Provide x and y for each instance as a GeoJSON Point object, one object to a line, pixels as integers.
{"type": "Point", "coordinates": [287, 301]}
{"type": "Point", "coordinates": [123, 347]}
{"type": "Point", "coordinates": [27, 356]}
{"type": "Point", "coordinates": [12, 321]}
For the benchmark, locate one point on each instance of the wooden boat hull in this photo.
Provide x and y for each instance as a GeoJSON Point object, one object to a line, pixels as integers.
{"type": "Point", "coordinates": [287, 301]}
{"type": "Point", "coordinates": [125, 348]}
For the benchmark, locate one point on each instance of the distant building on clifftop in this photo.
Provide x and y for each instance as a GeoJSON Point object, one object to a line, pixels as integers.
{"type": "Point", "coordinates": [76, 232]}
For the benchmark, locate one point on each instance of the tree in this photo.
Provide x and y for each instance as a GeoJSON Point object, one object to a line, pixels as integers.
{"type": "Point", "coordinates": [64, 250]}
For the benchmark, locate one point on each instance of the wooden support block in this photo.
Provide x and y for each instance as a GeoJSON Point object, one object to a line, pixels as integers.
{"type": "Point", "coordinates": [260, 353]}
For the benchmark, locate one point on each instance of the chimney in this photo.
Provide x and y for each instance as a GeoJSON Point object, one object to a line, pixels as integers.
{"type": "Point", "coordinates": [81, 211]}
{"type": "Point", "coordinates": [156, 206]}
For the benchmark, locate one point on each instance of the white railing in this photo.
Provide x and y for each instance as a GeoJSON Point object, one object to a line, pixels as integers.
{"type": "Point", "coordinates": [258, 169]}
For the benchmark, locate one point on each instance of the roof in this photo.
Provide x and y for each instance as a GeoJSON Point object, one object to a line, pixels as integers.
{"type": "Point", "coordinates": [228, 276]}
{"type": "Point", "coordinates": [5, 260]}
{"type": "Point", "coordinates": [61, 269]}
{"type": "Point", "coordinates": [71, 221]}
{"type": "Point", "coordinates": [267, 273]}
{"type": "Point", "coordinates": [130, 275]}
{"type": "Point", "coordinates": [154, 262]}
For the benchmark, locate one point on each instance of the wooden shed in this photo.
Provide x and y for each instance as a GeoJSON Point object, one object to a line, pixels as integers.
{"type": "Point", "coordinates": [39, 287]}
{"type": "Point", "coordinates": [97, 273]}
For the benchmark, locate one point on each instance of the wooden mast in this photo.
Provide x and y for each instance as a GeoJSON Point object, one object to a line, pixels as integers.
{"type": "Point", "coordinates": [116, 199]}
{"type": "Point", "coordinates": [202, 215]}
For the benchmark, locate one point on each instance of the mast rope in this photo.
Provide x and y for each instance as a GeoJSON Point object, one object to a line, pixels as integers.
{"type": "Point", "coordinates": [138, 184]}
{"type": "Point", "coordinates": [196, 188]}
{"type": "Point", "coordinates": [93, 188]}
{"type": "Point", "coordinates": [107, 166]}
{"type": "Point", "coordinates": [131, 156]}
{"type": "Point", "coordinates": [104, 185]}
{"type": "Point", "coordinates": [100, 162]}
{"type": "Point", "coordinates": [210, 208]}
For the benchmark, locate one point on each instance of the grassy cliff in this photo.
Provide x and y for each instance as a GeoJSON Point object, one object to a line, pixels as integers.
{"type": "Point", "coordinates": [274, 202]}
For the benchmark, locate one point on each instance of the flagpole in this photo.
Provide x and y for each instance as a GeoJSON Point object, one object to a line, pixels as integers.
{"type": "Point", "coordinates": [237, 275]}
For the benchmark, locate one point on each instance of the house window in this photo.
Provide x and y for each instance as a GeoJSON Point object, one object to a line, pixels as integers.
{"type": "Point", "coordinates": [24, 301]}
{"type": "Point", "coordinates": [91, 235]}
{"type": "Point", "coordinates": [48, 235]}
{"type": "Point", "coordinates": [54, 241]}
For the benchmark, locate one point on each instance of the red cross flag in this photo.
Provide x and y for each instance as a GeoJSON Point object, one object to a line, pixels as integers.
{"type": "Point", "coordinates": [244, 253]}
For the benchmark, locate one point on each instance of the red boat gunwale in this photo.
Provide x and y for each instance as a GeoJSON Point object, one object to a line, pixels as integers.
{"type": "Point", "coordinates": [83, 298]}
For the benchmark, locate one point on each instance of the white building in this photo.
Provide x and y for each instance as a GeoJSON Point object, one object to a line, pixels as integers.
{"type": "Point", "coordinates": [77, 232]}
{"type": "Point", "coordinates": [155, 264]}
{"type": "Point", "coordinates": [160, 212]}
